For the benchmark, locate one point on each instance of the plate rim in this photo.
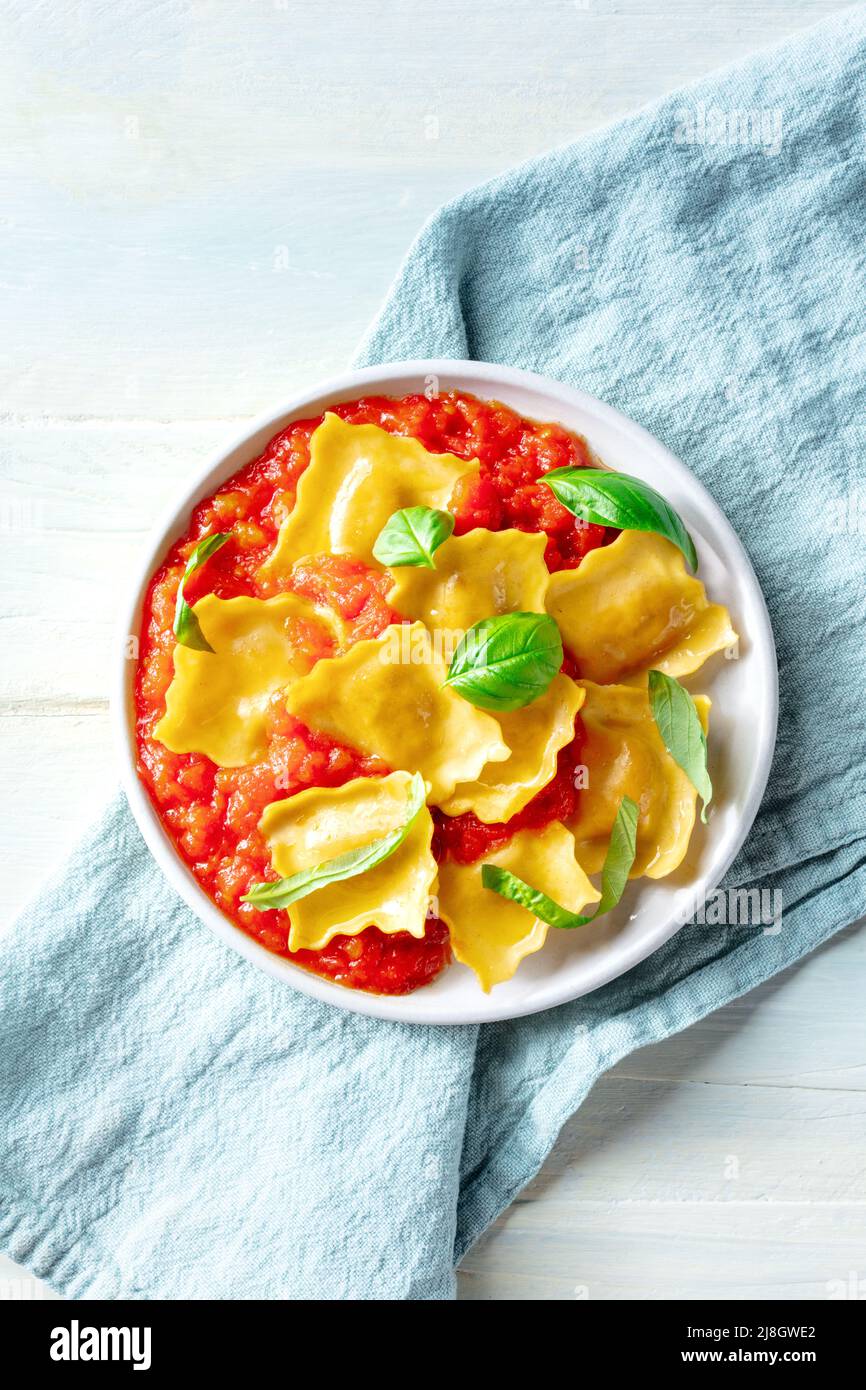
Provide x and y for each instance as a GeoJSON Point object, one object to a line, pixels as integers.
{"type": "Point", "coordinates": [478, 376]}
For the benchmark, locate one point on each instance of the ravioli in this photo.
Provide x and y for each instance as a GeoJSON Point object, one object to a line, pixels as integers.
{"type": "Point", "coordinates": [323, 822]}
{"type": "Point", "coordinates": [624, 756]}
{"type": "Point", "coordinates": [301, 666]}
{"type": "Point", "coordinates": [387, 696]}
{"type": "Point", "coordinates": [535, 735]}
{"type": "Point", "coordinates": [217, 701]}
{"type": "Point", "coordinates": [475, 576]}
{"type": "Point", "coordinates": [358, 475]}
{"type": "Point", "coordinates": [491, 934]}
{"type": "Point", "coordinates": [632, 606]}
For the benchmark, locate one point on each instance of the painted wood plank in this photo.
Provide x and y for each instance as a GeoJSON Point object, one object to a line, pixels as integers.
{"type": "Point", "coordinates": [674, 1250]}
{"type": "Point", "coordinates": [734, 1150]}
{"type": "Point", "coordinates": [804, 1029]}
{"type": "Point", "coordinates": [204, 212]}
{"type": "Point", "coordinates": [18, 1285]}
{"type": "Point", "coordinates": [63, 764]}
{"type": "Point", "coordinates": [76, 503]}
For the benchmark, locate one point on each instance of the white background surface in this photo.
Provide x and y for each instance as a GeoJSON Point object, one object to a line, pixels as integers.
{"type": "Point", "coordinates": [203, 204]}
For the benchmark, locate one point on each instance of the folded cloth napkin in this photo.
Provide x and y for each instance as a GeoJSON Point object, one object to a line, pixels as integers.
{"type": "Point", "coordinates": [176, 1124]}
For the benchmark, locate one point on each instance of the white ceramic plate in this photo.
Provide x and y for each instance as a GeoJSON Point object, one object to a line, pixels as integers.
{"type": "Point", "coordinates": [744, 692]}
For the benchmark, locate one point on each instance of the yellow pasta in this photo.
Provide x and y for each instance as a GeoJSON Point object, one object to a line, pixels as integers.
{"type": "Point", "coordinates": [217, 701]}
{"type": "Point", "coordinates": [324, 822]}
{"type": "Point", "coordinates": [632, 606]}
{"type": "Point", "coordinates": [535, 735]}
{"type": "Point", "coordinates": [387, 697]}
{"type": "Point", "coordinates": [493, 935]}
{"type": "Point", "coordinates": [358, 475]}
{"type": "Point", "coordinates": [624, 755]}
{"type": "Point", "coordinates": [475, 576]}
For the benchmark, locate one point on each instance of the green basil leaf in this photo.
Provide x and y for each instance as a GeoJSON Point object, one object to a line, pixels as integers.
{"type": "Point", "coordinates": [620, 856]}
{"type": "Point", "coordinates": [509, 886]}
{"type": "Point", "coordinates": [355, 861]}
{"type": "Point", "coordinates": [412, 536]}
{"type": "Point", "coordinates": [505, 662]}
{"type": "Point", "coordinates": [617, 499]}
{"type": "Point", "coordinates": [186, 624]}
{"type": "Point", "coordinates": [682, 733]}
{"type": "Point", "coordinates": [614, 876]}
{"type": "Point", "coordinates": [187, 629]}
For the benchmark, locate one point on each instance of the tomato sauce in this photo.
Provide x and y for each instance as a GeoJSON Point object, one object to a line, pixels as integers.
{"type": "Point", "coordinates": [211, 813]}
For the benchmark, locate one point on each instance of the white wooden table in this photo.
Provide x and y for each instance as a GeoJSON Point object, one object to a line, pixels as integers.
{"type": "Point", "coordinates": [203, 205]}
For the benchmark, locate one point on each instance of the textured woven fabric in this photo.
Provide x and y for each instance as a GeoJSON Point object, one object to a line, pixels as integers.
{"type": "Point", "coordinates": [174, 1123]}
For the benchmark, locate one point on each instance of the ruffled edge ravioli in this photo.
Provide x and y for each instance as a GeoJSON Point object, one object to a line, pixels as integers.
{"type": "Point", "coordinates": [535, 734]}
{"type": "Point", "coordinates": [475, 576]}
{"type": "Point", "coordinates": [387, 697]}
{"type": "Point", "coordinates": [217, 701]}
{"type": "Point", "coordinates": [321, 823]}
{"type": "Point", "coordinates": [358, 475]}
{"type": "Point", "coordinates": [624, 755]}
{"type": "Point", "coordinates": [631, 606]}
{"type": "Point", "coordinates": [489, 933]}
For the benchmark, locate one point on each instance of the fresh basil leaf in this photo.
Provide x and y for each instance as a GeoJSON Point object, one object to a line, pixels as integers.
{"type": "Point", "coordinates": [355, 861]}
{"type": "Point", "coordinates": [186, 624]}
{"type": "Point", "coordinates": [509, 886]}
{"type": "Point", "coordinates": [204, 550]}
{"type": "Point", "coordinates": [617, 499]}
{"type": "Point", "coordinates": [505, 662]}
{"type": "Point", "coordinates": [682, 733]}
{"type": "Point", "coordinates": [621, 850]}
{"type": "Point", "coordinates": [614, 876]}
{"type": "Point", "coordinates": [412, 536]}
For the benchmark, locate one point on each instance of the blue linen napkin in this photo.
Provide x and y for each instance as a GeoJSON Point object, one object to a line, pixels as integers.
{"type": "Point", "coordinates": [174, 1123]}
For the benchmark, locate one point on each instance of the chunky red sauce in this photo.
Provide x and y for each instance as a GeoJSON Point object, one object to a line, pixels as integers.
{"type": "Point", "coordinates": [212, 813]}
